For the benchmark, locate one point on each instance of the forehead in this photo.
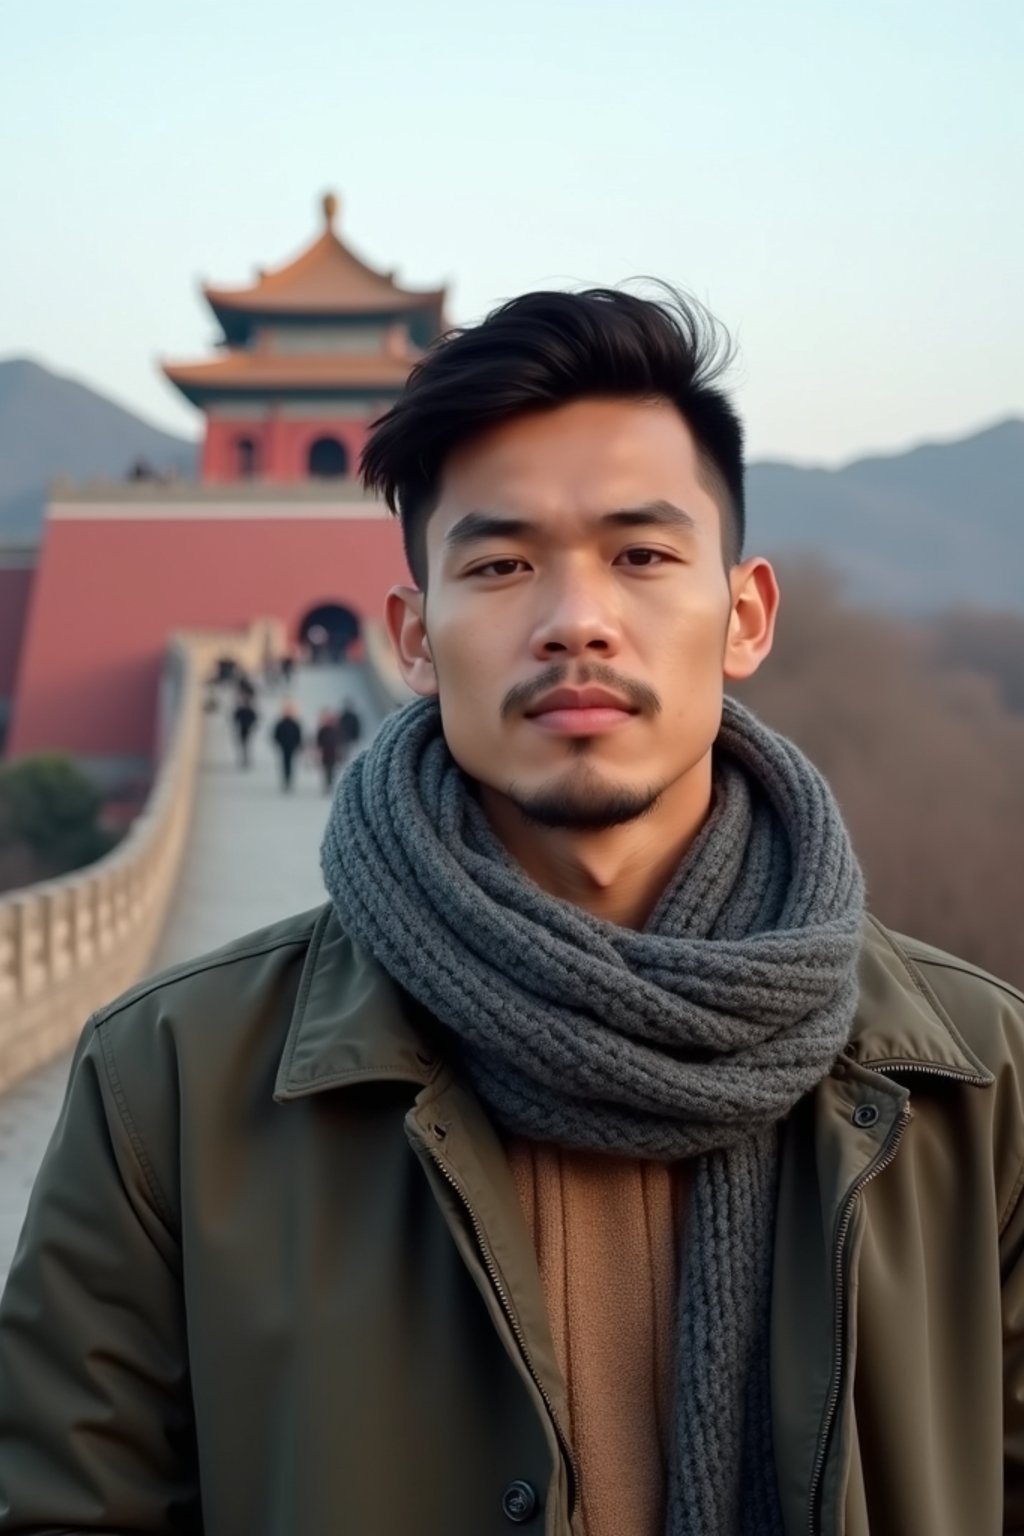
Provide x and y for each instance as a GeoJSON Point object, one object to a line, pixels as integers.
{"type": "Point", "coordinates": [576, 460]}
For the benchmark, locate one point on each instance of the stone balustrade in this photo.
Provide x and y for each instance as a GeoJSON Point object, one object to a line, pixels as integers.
{"type": "Point", "coordinates": [70, 944]}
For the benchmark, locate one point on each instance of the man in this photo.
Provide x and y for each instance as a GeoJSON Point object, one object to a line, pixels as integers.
{"type": "Point", "coordinates": [287, 738]}
{"type": "Point", "coordinates": [244, 720]}
{"type": "Point", "coordinates": [328, 746]}
{"type": "Point", "coordinates": [591, 1161]}
{"type": "Point", "coordinates": [350, 728]}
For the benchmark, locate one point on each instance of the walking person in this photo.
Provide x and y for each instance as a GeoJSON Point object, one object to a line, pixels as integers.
{"type": "Point", "coordinates": [591, 1161]}
{"type": "Point", "coordinates": [244, 720]}
{"type": "Point", "coordinates": [287, 737]}
{"type": "Point", "coordinates": [245, 689]}
{"type": "Point", "coordinates": [350, 729]}
{"type": "Point", "coordinates": [328, 746]}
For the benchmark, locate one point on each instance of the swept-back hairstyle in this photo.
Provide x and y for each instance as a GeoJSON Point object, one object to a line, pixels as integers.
{"type": "Point", "coordinates": [547, 349]}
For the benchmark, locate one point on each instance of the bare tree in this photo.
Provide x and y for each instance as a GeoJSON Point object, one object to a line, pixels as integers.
{"type": "Point", "coordinates": [912, 725]}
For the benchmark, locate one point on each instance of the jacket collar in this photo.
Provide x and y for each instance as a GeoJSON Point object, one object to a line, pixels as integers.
{"type": "Point", "coordinates": [900, 1023]}
{"type": "Point", "coordinates": [351, 1023]}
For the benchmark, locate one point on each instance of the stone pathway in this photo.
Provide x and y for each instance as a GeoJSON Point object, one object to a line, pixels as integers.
{"type": "Point", "coordinates": [252, 858]}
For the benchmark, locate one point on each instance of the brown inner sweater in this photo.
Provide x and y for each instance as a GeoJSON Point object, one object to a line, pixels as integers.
{"type": "Point", "coordinates": [607, 1234]}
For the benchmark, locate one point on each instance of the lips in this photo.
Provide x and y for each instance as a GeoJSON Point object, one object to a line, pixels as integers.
{"type": "Point", "coordinates": [579, 698]}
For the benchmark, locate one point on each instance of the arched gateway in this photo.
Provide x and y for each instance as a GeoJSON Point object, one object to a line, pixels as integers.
{"type": "Point", "coordinates": [328, 630]}
{"type": "Point", "coordinates": [328, 459]}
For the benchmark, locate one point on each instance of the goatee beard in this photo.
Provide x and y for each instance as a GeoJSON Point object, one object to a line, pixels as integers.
{"type": "Point", "coordinates": [584, 803]}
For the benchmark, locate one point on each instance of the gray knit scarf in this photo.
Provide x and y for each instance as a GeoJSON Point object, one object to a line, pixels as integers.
{"type": "Point", "coordinates": [691, 1039]}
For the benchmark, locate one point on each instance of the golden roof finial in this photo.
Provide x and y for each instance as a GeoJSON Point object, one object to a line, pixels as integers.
{"type": "Point", "coordinates": [329, 204]}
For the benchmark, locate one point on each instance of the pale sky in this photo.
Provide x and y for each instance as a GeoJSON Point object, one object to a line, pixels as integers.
{"type": "Point", "coordinates": [842, 184]}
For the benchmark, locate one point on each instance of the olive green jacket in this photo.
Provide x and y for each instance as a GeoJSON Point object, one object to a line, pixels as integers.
{"type": "Point", "coordinates": [275, 1281]}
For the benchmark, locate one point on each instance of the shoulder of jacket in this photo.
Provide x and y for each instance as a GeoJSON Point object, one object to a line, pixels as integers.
{"type": "Point", "coordinates": [986, 1011]}
{"type": "Point", "coordinates": [951, 972]}
{"type": "Point", "coordinates": [176, 1050]}
{"type": "Point", "coordinates": [251, 951]}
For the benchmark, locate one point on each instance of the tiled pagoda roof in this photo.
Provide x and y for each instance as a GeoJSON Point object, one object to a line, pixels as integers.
{"type": "Point", "coordinates": [242, 372]}
{"type": "Point", "coordinates": [326, 279]}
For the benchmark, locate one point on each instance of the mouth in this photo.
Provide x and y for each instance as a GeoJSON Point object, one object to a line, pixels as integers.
{"type": "Point", "coordinates": [581, 712]}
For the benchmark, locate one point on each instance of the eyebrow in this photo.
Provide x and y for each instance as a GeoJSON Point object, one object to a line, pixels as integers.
{"type": "Point", "coordinates": [478, 526]}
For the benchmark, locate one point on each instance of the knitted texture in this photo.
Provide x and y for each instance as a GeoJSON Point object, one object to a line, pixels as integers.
{"type": "Point", "coordinates": [691, 1039]}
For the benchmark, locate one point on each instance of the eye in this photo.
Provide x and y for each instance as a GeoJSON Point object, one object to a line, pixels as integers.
{"type": "Point", "coordinates": [642, 557]}
{"type": "Point", "coordinates": [504, 567]}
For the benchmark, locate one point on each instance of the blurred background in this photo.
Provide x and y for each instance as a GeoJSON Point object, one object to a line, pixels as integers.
{"type": "Point", "coordinates": [228, 232]}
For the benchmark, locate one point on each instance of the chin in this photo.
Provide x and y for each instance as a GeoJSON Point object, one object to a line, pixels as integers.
{"type": "Point", "coordinates": [584, 802]}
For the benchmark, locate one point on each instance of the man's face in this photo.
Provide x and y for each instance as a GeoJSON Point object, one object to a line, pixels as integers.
{"type": "Point", "coordinates": [578, 615]}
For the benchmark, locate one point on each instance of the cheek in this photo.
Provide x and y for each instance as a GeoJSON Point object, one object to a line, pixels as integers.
{"type": "Point", "coordinates": [687, 660]}
{"type": "Point", "coordinates": [686, 635]}
{"type": "Point", "coordinates": [467, 657]}
{"type": "Point", "coordinates": [472, 677]}
{"type": "Point", "coordinates": [472, 730]}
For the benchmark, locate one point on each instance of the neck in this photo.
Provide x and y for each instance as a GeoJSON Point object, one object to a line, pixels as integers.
{"type": "Point", "coordinates": [617, 873]}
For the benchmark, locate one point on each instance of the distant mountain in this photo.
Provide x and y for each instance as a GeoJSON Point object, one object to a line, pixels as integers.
{"type": "Point", "coordinates": [939, 525]}
{"type": "Point", "coordinates": [53, 426]}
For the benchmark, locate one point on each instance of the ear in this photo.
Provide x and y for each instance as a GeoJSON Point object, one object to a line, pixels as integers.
{"type": "Point", "coordinates": [755, 606]}
{"type": "Point", "coordinates": [404, 610]}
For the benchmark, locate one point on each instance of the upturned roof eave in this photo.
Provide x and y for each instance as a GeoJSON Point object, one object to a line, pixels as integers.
{"type": "Point", "coordinates": [213, 374]}
{"type": "Point", "coordinates": [201, 391]}
{"type": "Point", "coordinates": [329, 261]}
{"type": "Point", "coordinates": [233, 305]}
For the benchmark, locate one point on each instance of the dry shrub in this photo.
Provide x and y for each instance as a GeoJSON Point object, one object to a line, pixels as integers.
{"type": "Point", "coordinates": [911, 725]}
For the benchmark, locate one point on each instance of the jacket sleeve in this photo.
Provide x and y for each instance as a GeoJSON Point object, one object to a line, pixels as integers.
{"type": "Point", "coordinates": [96, 1427]}
{"type": "Point", "coordinates": [1012, 1259]}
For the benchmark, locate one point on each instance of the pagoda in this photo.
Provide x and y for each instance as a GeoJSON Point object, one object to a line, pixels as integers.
{"type": "Point", "coordinates": [277, 525]}
{"type": "Point", "coordinates": [311, 353]}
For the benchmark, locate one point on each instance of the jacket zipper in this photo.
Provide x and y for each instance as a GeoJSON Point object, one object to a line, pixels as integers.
{"type": "Point", "coordinates": [513, 1321]}
{"type": "Point", "coordinates": [897, 1068]}
{"type": "Point", "coordinates": [879, 1166]}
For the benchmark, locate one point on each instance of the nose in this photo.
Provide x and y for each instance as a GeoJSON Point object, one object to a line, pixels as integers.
{"type": "Point", "coordinates": [576, 621]}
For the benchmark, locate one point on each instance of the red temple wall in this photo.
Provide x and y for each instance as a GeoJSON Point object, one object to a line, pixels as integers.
{"type": "Point", "coordinates": [111, 592]}
{"type": "Point", "coordinates": [281, 445]}
{"type": "Point", "coordinates": [15, 592]}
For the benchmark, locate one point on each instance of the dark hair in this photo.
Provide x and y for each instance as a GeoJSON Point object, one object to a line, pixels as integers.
{"type": "Point", "coordinates": [544, 350]}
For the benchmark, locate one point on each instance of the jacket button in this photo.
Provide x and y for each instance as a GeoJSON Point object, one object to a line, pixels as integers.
{"type": "Point", "coordinates": [865, 1116]}
{"type": "Point", "coordinates": [519, 1501]}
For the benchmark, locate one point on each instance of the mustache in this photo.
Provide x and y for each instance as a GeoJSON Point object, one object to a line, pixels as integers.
{"type": "Point", "coordinates": [561, 674]}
